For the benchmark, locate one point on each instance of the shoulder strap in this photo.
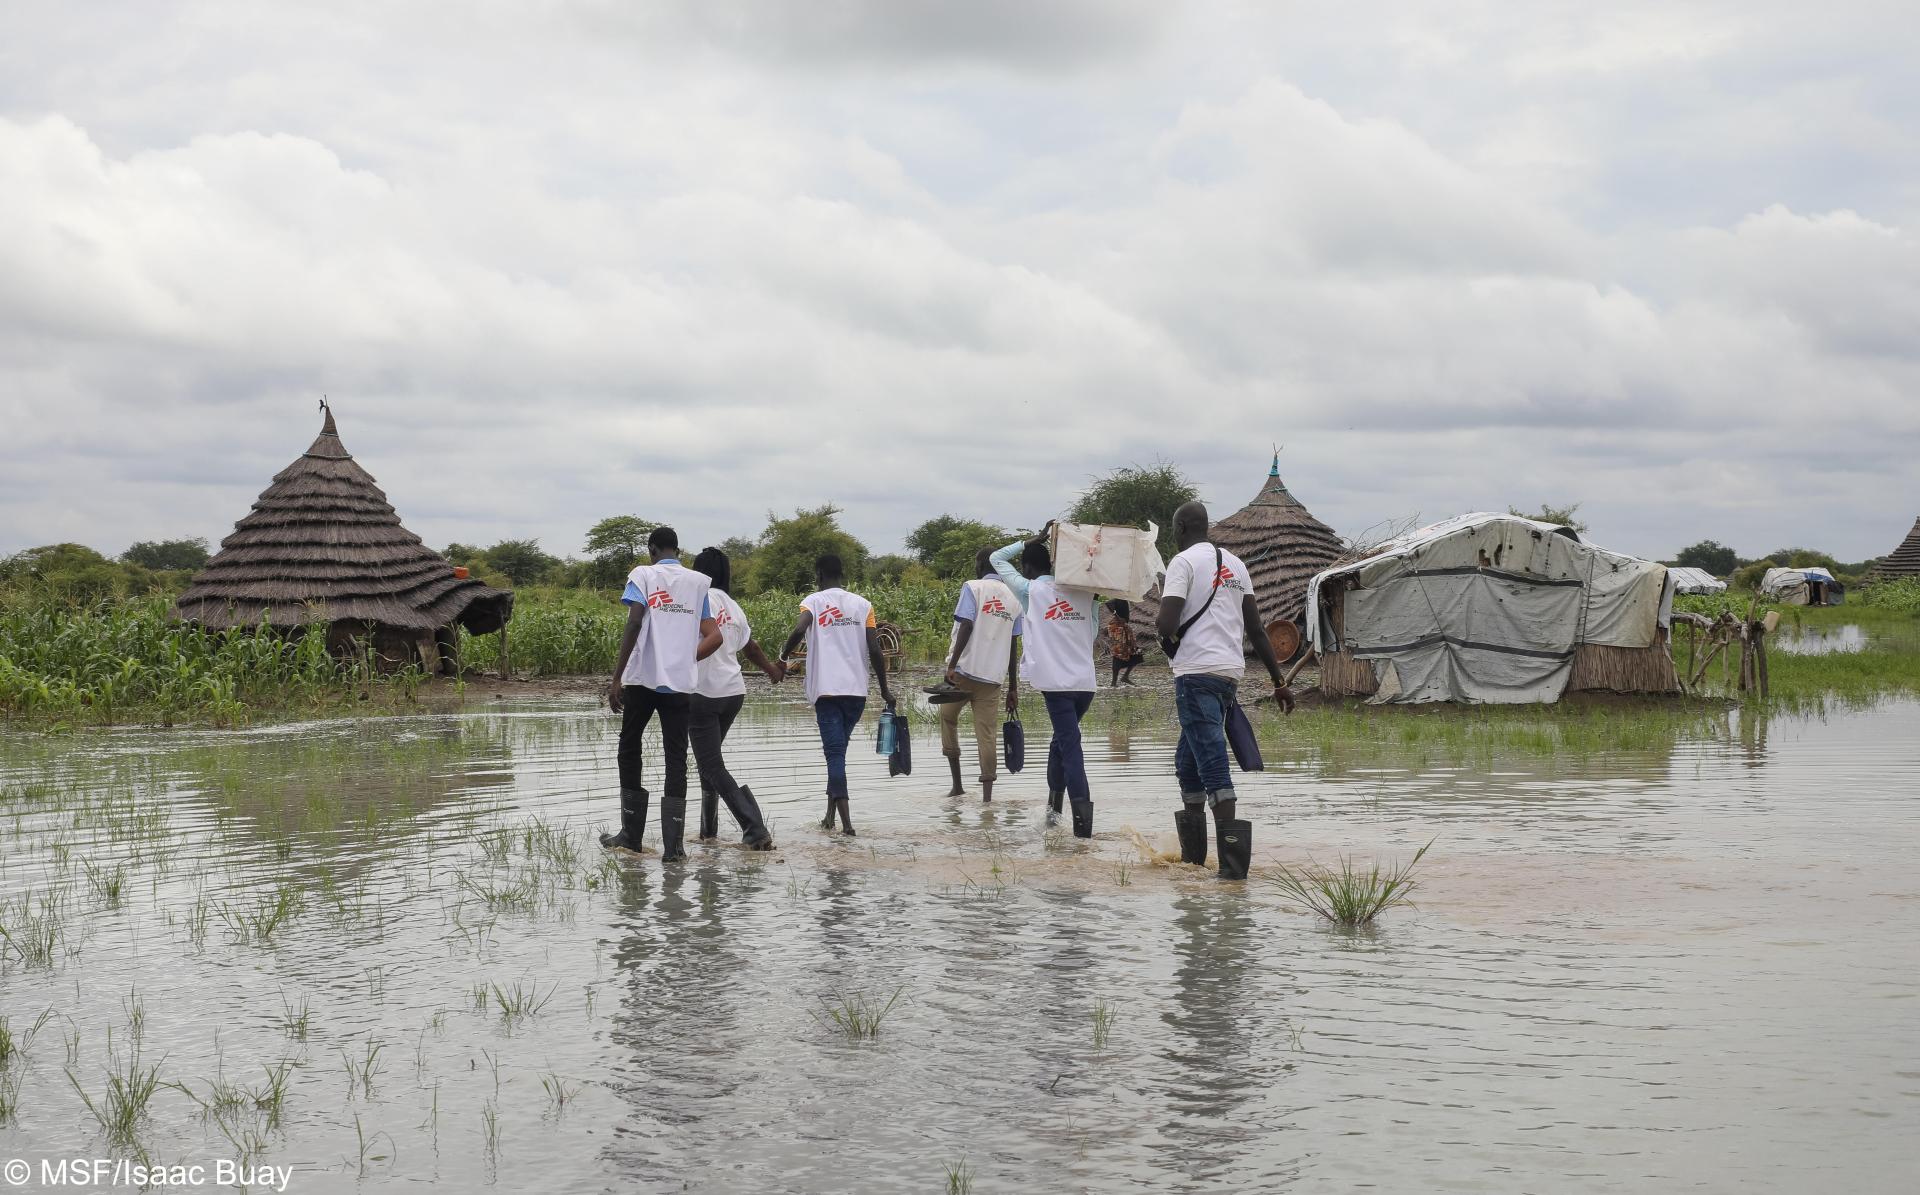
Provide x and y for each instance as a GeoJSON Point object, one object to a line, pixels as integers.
{"type": "Point", "coordinates": [1188, 625]}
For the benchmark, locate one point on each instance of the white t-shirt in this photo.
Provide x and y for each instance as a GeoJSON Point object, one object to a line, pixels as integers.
{"type": "Point", "coordinates": [1058, 656]}
{"type": "Point", "coordinates": [1215, 644]}
{"type": "Point", "coordinates": [837, 643]}
{"type": "Point", "coordinates": [720, 672]}
{"type": "Point", "coordinates": [676, 600]}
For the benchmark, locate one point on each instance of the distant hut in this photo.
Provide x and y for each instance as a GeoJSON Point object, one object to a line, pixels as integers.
{"type": "Point", "coordinates": [1283, 546]}
{"type": "Point", "coordinates": [1903, 561]}
{"type": "Point", "coordinates": [322, 544]}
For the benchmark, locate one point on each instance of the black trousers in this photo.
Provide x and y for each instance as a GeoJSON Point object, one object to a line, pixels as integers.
{"type": "Point", "coordinates": [640, 705]}
{"type": "Point", "coordinates": [711, 719]}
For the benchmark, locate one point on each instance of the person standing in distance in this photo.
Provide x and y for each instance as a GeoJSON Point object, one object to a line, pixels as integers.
{"type": "Point", "coordinates": [716, 702]}
{"type": "Point", "coordinates": [1207, 608]}
{"type": "Point", "coordinates": [986, 622]}
{"type": "Point", "coordinates": [670, 629]}
{"type": "Point", "coordinates": [842, 644]}
{"type": "Point", "coordinates": [1057, 660]}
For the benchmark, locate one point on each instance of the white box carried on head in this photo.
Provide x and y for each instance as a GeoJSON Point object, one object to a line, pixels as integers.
{"type": "Point", "coordinates": [1122, 562]}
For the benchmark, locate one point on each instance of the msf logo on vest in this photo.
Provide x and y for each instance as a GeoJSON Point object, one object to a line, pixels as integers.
{"type": "Point", "coordinates": [1225, 579]}
{"type": "Point", "coordinates": [662, 601]}
{"type": "Point", "coordinates": [831, 617]}
{"type": "Point", "coordinates": [1063, 610]}
{"type": "Point", "coordinates": [995, 607]}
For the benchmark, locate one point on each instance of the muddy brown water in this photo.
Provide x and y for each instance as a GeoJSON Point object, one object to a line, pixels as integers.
{"type": "Point", "coordinates": [1689, 967]}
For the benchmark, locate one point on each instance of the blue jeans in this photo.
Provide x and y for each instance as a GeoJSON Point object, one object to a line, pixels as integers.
{"type": "Point", "coordinates": [837, 716]}
{"type": "Point", "coordinates": [1201, 760]}
{"type": "Point", "coordinates": [1066, 762]}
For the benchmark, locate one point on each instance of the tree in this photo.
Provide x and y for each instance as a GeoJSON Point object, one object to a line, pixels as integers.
{"type": "Point", "coordinates": [927, 538]}
{"type": "Point", "coordinates": [462, 554]}
{"type": "Point", "coordinates": [783, 559]}
{"type": "Point", "coordinates": [168, 554]}
{"type": "Point", "coordinates": [1133, 495]}
{"type": "Point", "coordinates": [891, 569]}
{"type": "Point", "coordinates": [1559, 516]}
{"type": "Point", "coordinates": [1711, 555]}
{"type": "Point", "coordinates": [615, 545]}
{"type": "Point", "coordinates": [953, 556]}
{"type": "Point", "coordinates": [75, 571]}
{"type": "Point", "coordinates": [521, 560]}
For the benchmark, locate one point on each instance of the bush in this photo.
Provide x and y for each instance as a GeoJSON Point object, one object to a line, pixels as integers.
{"type": "Point", "coordinates": [1902, 596]}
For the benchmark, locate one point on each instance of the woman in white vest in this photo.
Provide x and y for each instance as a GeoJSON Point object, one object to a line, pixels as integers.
{"type": "Point", "coordinates": [986, 622]}
{"type": "Point", "coordinates": [716, 702]}
{"type": "Point", "coordinates": [670, 629]}
{"type": "Point", "coordinates": [843, 642]}
{"type": "Point", "coordinates": [1058, 661]}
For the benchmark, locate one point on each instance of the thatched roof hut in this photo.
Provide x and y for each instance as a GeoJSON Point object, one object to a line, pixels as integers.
{"type": "Point", "coordinates": [1282, 544]}
{"type": "Point", "coordinates": [323, 544]}
{"type": "Point", "coordinates": [1903, 561]}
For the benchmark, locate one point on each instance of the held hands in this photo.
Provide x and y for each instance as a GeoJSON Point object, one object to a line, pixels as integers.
{"type": "Point", "coordinates": [776, 672]}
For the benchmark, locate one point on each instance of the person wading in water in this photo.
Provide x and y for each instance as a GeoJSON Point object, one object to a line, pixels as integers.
{"type": "Point", "coordinates": [1123, 649]}
{"type": "Point", "coordinates": [842, 643]}
{"type": "Point", "coordinates": [670, 629]}
{"type": "Point", "coordinates": [1057, 660]}
{"type": "Point", "coordinates": [1206, 610]}
{"type": "Point", "coordinates": [716, 701]}
{"type": "Point", "coordinates": [986, 622]}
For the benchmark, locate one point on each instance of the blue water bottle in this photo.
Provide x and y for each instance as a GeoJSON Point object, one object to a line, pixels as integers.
{"type": "Point", "coordinates": [883, 738]}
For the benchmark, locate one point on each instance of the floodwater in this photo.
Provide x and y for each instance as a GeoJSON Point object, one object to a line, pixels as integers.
{"type": "Point", "coordinates": [1821, 641]}
{"type": "Point", "coordinates": [1693, 966]}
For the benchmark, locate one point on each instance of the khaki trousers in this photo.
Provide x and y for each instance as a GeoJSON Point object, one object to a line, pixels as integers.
{"type": "Point", "coordinates": [984, 700]}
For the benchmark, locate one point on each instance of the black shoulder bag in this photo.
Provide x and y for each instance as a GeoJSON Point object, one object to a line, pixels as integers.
{"type": "Point", "coordinates": [1172, 646]}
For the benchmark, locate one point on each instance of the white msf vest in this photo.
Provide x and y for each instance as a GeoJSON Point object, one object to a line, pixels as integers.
{"type": "Point", "coordinates": [663, 657]}
{"type": "Point", "coordinates": [996, 609]}
{"type": "Point", "coordinates": [836, 644]}
{"type": "Point", "coordinates": [720, 672]}
{"type": "Point", "coordinates": [1058, 654]}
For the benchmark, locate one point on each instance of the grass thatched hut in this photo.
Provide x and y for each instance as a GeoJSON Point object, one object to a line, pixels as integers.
{"type": "Point", "coordinates": [1283, 546]}
{"type": "Point", "coordinates": [1903, 561]}
{"type": "Point", "coordinates": [322, 544]}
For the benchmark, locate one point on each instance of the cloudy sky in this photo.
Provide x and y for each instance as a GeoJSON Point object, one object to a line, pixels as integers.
{"type": "Point", "coordinates": [561, 259]}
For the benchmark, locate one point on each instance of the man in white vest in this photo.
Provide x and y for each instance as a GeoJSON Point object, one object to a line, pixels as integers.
{"type": "Point", "coordinates": [843, 642]}
{"type": "Point", "coordinates": [986, 623]}
{"type": "Point", "coordinates": [1207, 609]}
{"type": "Point", "coordinates": [1057, 660]}
{"type": "Point", "coordinates": [670, 629]}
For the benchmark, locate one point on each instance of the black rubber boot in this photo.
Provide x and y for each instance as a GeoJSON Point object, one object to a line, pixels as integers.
{"type": "Point", "coordinates": [826, 823]}
{"type": "Point", "coordinates": [709, 815]}
{"type": "Point", "coordinates": [1054, 802]}
{"type": "Point", "coordinates": [673, 828]}
{"type": "Point", "coordinates": [846, 816]}
{"type": "Point", "coordinates": [633, 822]}
{"type": "Point", "coordinates": [745, 810]}
{"type": "Point", "coordinates": [1235, 839]}
{"type": "Point", "coordinates": [1191, 824]}
{"type": "Point", "coordinates": [1083, 819]}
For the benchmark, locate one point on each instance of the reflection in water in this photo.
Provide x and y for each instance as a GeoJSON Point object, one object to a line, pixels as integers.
{"type": "Point", "coordinates": [1600, 937]}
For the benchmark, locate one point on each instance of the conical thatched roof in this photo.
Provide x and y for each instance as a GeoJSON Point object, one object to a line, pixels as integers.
{"type": "Point", "coordinates": [1903, 561]}
{"type": "Point", "coordinates": [1282, 544]}
{"type": "Point", "coordinates": [323, 543]}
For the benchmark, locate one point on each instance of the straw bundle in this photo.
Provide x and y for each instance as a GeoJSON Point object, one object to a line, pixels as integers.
{"type": "Point", "coordinates": [322, 543]}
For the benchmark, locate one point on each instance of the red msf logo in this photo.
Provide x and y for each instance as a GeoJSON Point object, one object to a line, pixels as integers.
{"type": "Point", "coordinates": [658, 598]}
{"type": "Point", "coordinates": [725, 619]}
{"type": "Point", "coordinates": [1059, 610]}
{"type": "Point", "coordinates": [992, 605]}
{"type": "Point", "coordinates": [828, 615]}
{"type": "Point", "coordinates": [1223, 577]}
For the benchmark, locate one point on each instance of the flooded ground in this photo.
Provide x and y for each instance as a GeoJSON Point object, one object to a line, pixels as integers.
{"type": "Point", "coordinates": [1692, 966]}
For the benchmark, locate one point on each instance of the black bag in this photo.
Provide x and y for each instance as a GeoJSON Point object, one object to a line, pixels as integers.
{"type": "Point", "coordinates": [1240, 737]}
{"type": "Point", "coordinates": [1172, 646]}
{"type": "Point", "coordinates": [1014, 736]}
{"type": "Point", "coordinates": [900, 763]}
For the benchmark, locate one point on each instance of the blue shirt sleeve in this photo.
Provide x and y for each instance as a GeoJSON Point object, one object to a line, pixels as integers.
{"type": "Point", "coordinates": [633, 596]}
{"type": "Point", "coordinates": [706, 608]}
{"type": "Point", "coordinates": [1003, 564]}
{"type": "Point", "coordinates": [968, 608]}
{"type": "Point", "coordinates": [1020, 627]}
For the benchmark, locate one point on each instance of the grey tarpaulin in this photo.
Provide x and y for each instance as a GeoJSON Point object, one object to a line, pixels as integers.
{"type": "Point", "coordinates": [1488, 608]}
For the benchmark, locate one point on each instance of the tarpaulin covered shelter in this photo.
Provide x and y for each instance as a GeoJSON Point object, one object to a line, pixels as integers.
{"type": "Point", "coordinates": [323, 545]}
{"type": "Point", "coordinates": [1695, 580]}
{"type": "Point", "coordinates": [1810, 586]}
{"type": "Point", "coordinates": [1494, 609]}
